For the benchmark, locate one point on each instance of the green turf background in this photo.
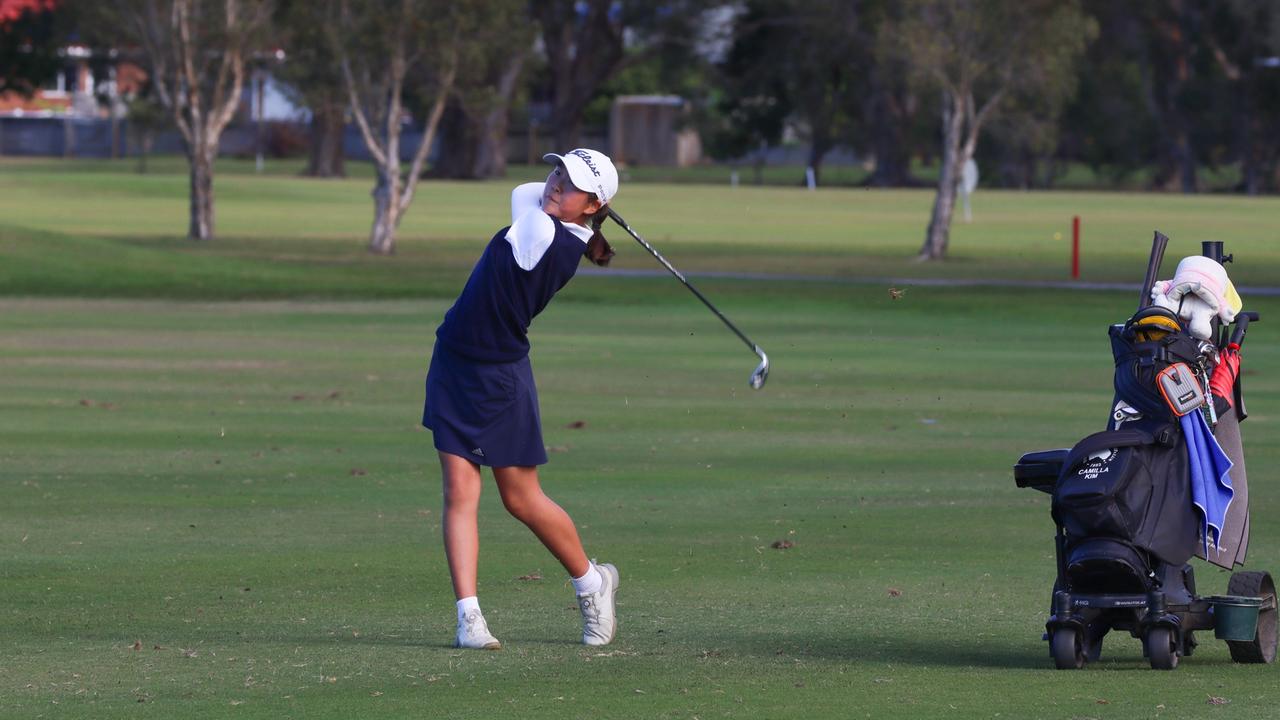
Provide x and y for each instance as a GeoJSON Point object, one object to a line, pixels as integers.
{"type": "Point", "coordinates": [211, 454]}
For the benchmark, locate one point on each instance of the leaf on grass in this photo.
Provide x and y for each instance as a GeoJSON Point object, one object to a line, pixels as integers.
{"type": "Point", "coordinates": [1215, 700]}
{"type": "Point", "coordinates": [137, 644]}
{"type": "Point", "coordinates": [895, 592]}
{"type": "Point", "coordinates": [782, 544]}
{"type": "Point", "coordinates": [1102, 701]}
{"type": "Point", "coordinates": [335, 395]}
{"type": "Point", "coordinates": [359, 471]}
{"type": "Point", "coordinates": [577, 424]}
{"type": "Point", "coordinates": [530, 577]}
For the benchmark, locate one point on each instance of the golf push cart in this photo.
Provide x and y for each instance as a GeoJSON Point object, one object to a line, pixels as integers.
{"type": "Point", "coordinates": [1134, 503]}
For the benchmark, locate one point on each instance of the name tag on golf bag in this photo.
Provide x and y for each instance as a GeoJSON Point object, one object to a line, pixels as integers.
{"type": "Point", "coordinates": [1181, 388]}
{"type": "Point", "coordinates": [1127, 485]}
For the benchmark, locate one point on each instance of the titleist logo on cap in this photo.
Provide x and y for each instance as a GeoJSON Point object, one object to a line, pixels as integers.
{"type": "Point", "coordinates": [586, 158]}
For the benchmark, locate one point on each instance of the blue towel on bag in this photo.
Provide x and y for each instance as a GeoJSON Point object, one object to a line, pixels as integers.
{"type": "Point", "coordinates": [1211, 491]}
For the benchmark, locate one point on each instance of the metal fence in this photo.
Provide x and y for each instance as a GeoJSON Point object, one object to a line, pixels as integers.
{"type": "Point", "coordinates": [96, 138]}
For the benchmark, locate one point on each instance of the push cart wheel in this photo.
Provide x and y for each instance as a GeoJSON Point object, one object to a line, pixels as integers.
{"type": "Point", "coordinates": [1262, 648]}
{"type": "Point", "coordinates": [1161, 647]}
{"type": "Point", "coordinates": [1067, 648]}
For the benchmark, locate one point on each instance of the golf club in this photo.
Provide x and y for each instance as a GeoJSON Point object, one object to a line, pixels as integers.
{"type": "Point", "coordinates": [761, 372]}
{"type": "Point", "coordinates": [1158, 244]}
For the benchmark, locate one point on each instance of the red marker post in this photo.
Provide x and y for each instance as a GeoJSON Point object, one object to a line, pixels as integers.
{"type": "Point", "coordinates": [1075, 247]}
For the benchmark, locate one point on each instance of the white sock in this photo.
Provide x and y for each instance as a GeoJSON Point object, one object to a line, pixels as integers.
{"type": "Point", "coordinates": [466, 605]}
{"type": "Point", "coordinates": [590, 581]}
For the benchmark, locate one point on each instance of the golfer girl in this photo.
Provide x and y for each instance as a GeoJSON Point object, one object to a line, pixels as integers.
{"type": "Point", "coordinates": [482, 406]}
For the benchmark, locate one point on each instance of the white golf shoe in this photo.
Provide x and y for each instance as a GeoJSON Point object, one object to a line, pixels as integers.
{"type": "Point", "coordinates": [473, 633]}
{"type": "Point", "coordinates": [599, 619]}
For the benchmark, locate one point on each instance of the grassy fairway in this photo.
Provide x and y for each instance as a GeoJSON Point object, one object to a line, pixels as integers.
{"type": "Point", "coordinates": [65, 231]}
{"type": "Point", "coordinates": [240, 491]}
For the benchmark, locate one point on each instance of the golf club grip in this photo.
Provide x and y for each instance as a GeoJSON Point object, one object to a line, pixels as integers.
{"type": "Point", "coordinates": [1242, 326]}
{"type": "Point", "coordinates": [679, 276]}
{"type": "Point", "coordinates": [1158, 244]}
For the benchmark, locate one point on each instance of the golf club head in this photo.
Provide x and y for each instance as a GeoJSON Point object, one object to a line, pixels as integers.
{"type": "Point", "coordinates": [761, 372]}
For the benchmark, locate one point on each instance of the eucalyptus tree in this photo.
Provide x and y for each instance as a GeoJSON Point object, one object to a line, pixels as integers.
{"type": "Point", "coordinates": [979, 55]}
{"type": "Point", "coordinates": [194, 53]}
{"type": "Point", "coordinates": [399, 59]}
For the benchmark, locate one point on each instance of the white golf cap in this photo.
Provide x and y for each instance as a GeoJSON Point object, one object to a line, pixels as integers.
{"type": "Point", "coordinates": [590, 170]}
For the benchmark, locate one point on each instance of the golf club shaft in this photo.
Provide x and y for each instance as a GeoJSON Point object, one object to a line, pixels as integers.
{"type": "Point", "coordinates": [680, 276]}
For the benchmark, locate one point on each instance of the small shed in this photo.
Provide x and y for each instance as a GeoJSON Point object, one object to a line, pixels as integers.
{"type": "Point", "coordinates": [649, 130]}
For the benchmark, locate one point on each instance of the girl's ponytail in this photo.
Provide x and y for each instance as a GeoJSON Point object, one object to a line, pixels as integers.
{"type": "Point", "coordinates": [598, 249]}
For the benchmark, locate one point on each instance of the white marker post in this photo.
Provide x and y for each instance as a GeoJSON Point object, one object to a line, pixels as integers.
{"type": "Point", "coordinates": [968, 183]}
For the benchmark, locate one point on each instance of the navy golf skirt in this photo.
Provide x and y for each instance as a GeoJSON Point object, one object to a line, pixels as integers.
{"type": "Point", "coordinates": [485, 412]}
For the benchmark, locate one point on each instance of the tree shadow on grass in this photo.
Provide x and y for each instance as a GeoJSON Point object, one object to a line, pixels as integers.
{"type": "Point", "coordinates": [947, 647]}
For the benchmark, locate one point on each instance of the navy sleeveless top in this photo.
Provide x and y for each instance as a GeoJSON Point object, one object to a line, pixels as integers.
{"type": "Point", "coordinates": [489, 322]}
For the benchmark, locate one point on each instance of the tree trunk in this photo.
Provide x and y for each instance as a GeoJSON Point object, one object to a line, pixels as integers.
{"type": "Point", "coordinates": [1185, 153]}
{"type": "Point", "coordinates": [938, 236]}
{"type": "Point", "coordinates": [818, 148]}
{"type": "Point", "coordinates": [146, 142]}
{"type": "Point", "coordinates": [386, 212]}
{"type": "Point", "coordinates": [201, 165]}
{"type": "Point", "coordinates": [889, 114]}
{"type": "Point", "coordinates": [327, 159]}
{"type": "Point", "coordinates": [459, 144]}
{"type": "Point", "coordinates": [474, 146]}
{"type": "Point", "coordinates": [491, 155]}
{"type": "Point", "coordinates": [568, 129]}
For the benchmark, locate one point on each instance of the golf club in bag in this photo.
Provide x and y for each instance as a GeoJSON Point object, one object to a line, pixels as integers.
{"type": "Point", "coordinates": [761, 373]}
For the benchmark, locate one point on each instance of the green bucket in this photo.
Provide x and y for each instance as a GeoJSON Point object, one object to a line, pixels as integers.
{"type": "Point", "coordinates": [1235, 617]}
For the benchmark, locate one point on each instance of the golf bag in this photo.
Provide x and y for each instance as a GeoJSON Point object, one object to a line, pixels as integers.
{"type": "Point", "coordinates": [1123, 497]}
{"type": "Point", "coordinates": [1144, 349]}
{"type": "Point", "coordinates": [1134, 503]}
{"type": "Point", "coordinates": [1123, 507]}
